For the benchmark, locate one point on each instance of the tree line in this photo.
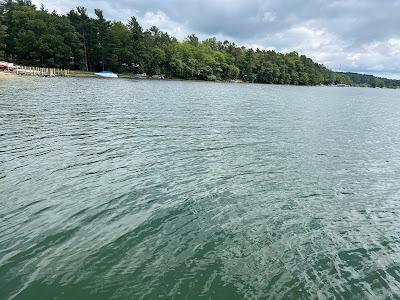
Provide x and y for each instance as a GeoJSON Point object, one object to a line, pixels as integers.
{"type": "Point", "coordinates": [34, 36]}
{"type": "Point", "coordinates": [372, 81]}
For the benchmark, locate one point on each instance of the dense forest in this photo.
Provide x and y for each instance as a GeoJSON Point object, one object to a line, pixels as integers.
{"type": "Point", "coordinates": [35, 37]}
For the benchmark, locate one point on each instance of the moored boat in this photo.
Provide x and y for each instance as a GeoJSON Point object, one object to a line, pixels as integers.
{"type": "Point", "coordinates": [6, 66]}
{"type": "Point", "coordinates": [106, 74]}
{"type": "Point", "coordinates": [158, 77]}
{"type": "Point", "coordinates": [140, 76]}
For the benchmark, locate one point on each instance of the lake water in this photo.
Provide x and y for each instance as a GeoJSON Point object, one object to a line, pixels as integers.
{"type": "Point", "coordinates": [124, 189]}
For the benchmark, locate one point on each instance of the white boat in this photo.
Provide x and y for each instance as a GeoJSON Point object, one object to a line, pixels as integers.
{"type": "Point", "coordinates": [106, 74]}
{"type": "Point", "coordinates": [7, 66]}
{"type": "Point", "coordinates": [140, 76]}
{"type": "Point", "coordinates": [158, 77]}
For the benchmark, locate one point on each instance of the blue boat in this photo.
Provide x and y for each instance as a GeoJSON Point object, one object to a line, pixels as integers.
{"type": "Point", "coordinates": [106, 74]}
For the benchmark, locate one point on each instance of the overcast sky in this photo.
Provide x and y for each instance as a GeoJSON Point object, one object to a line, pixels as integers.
{"type": "Point", "coordinates": [345, 35]}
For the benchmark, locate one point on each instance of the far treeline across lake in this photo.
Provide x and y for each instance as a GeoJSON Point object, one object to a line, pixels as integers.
{"type": "Point", "coordinates": [36, 37]}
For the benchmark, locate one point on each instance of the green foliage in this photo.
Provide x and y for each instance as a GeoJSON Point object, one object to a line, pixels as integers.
{"type": "Point", "coordinates": [3, 29]}
{"type": "Point", "coordinates": [193, 40]}
{"type": "Point", "coordinates": [121, 46]}
{"type": "Point", "coordinates": [36, 37]}
{"type": "Point", "coordinates": [372, 81]}
{"type": "Point", "coordinates": [2, 37]}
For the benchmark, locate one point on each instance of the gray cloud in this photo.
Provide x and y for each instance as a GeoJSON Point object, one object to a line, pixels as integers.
{"type": "Point", "coordinates": [345, 35]}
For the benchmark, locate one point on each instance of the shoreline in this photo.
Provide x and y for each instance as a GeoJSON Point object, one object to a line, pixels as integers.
{"type": "Point", "coordinates": [8, 75]}
{"type": "Point", "coordinates": [125, 76]}
{"type": "Point", "coordinates": [4, 75]}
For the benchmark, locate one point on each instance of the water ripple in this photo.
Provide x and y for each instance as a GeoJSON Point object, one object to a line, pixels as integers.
{"type": "Point", "coordinates": [188, 190]}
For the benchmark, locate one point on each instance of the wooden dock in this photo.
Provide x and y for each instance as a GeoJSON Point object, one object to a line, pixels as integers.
{"type": "Point", "coordinates": [42, 72]}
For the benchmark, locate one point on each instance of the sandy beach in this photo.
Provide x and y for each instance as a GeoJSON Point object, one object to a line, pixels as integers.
{"type": "Point", "coordinates": [7, 75]}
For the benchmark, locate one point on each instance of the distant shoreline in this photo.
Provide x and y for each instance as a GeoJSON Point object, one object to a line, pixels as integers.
{"type": "Point", "coordinates": [4, 75]}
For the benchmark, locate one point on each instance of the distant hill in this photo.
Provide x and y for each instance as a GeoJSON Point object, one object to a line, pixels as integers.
{"type": "Point", "coordinates": [371, 81]}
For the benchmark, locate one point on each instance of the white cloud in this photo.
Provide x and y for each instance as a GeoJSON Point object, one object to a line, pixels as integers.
{"type": "Point", "coordinates": [164, 22]}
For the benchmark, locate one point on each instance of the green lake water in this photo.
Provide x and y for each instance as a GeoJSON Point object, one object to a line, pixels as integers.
{"type": "Point", "coordinates": [124, 189]}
